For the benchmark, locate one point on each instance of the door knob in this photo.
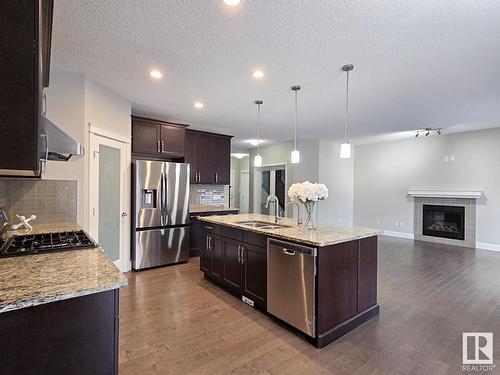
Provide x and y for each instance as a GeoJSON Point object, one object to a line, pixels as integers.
{"type": "Point", "coordinates": [124, 214]}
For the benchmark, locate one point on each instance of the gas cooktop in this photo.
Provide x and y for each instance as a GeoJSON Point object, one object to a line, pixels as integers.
{"type": "Point", "coordinates": [45, 242]}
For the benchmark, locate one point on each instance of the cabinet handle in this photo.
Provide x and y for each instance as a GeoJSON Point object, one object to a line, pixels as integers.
{"type": "Point", "coordinates": [210, 243]}
{"type": "Point", "coordinates": [239, 253]}
{"type": "Point", "coordinates": [158, 146]}
{"type": "Point", "coordinates": [216, 177]}
{"type": "Point", "coordinates": [208, 227]}
{"type": "Point", "coordinates": [199, 176]}
{"type": "Point", "coordinates": [162, 146]}
{"type": "Point", "coordinates": [242, 254]}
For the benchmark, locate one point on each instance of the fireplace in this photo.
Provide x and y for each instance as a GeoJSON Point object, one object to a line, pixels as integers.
{"type": "Point", "coordinates": [444, 221]}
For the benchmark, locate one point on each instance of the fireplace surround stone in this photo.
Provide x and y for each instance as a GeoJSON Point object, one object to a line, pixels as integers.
{"type": "Point", "coordinates": [470, 220]}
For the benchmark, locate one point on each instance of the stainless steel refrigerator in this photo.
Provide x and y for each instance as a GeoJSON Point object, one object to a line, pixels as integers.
{"type": "Point", "coordinates": [160, 202]}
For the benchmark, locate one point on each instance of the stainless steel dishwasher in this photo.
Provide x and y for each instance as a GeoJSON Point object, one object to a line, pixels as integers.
{"type": "Point", "coordinates": [291, 271]}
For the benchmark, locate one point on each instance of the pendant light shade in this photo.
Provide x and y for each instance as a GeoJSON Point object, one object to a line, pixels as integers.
{"type": "Point", "coordinates": [345, 148]}
{"type": "Point", "coordinates": [295, 155]}
{"type": "Point", "coordinates": [257, 161]}
{"type": "Point", "coordinates": [345, 151]}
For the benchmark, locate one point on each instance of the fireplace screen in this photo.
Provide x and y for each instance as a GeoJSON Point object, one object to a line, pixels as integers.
{"type": "Point", "coordinates": [444, 221]}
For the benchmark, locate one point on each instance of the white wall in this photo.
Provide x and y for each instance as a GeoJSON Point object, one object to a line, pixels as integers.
{"type": "Point", "coordinates": [384, 172]}
{"type": "Point", "coordinates": [338, 175]}
{"type": "Point", "coordinates": [74, 101]}
{"type": "Point", "coordinates": [66, 108]}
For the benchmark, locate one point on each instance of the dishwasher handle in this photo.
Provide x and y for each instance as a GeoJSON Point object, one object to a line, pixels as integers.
{"type": "Point", "coordinates": [291, 249]}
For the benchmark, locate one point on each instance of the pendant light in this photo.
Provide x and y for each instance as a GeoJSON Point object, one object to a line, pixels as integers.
{"type": "Point", "coordinates": [257, 161]}
{"type": "Point", "coordinates": [295, 156]}
{"type": "Point", "coordinates": [345, 148]}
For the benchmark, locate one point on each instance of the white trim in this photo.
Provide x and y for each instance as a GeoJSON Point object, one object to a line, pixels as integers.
{"type": "Point", "coordinates": [422, 193]}
{"type": "Point", "coordinates": [487, 246]}
{"type": "Point", "coordinates": [390, 233]}
{"type": "Point", "coordinates": [97, 130]}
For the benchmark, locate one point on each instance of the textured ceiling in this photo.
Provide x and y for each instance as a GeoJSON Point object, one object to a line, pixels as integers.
{"type": "Point", "coordinates": [418, 63]}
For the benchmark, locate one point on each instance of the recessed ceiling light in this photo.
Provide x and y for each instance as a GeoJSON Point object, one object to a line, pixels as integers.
{"type": "Point", "coordinates": [231, 3]}
{"type": "Point", "coordinates": [258, 74]}
{"type": "Point", "coordinates": [199, 105]}
{"type": "Point", "coordinates": [254, 142]}
{"type": "Point", "coordinates": [155, 74]}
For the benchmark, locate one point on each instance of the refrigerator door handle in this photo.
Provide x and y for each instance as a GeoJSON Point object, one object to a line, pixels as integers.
{"type": "Point", "coordinates": [162, 199]}
{"type": "Point", "coordinates": [165, 197]}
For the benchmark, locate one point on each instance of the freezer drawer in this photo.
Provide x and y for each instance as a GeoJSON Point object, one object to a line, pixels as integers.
{"type": "Point", "coordinates": [291, 271]}
{"type": "Point", "coordinates": [160, 247]}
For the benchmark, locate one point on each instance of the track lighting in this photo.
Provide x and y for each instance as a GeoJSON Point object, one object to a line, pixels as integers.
{"type": "Point", "coordinates": [428, 131]}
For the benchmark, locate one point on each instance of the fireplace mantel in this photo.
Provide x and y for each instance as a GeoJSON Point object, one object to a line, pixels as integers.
{"type": "Point", "coordinates": [424, 193]}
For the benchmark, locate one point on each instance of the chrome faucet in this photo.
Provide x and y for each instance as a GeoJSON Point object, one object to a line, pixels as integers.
{"type": "Point", "coordinates": [299, 219]}
{"type": "Point", "coordinates": [276, 202]}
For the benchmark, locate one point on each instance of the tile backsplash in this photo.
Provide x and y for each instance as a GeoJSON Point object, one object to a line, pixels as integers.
{"type": "Point", "coordinates": [52, 201]}
{"type": "Point", "coordinates": [209, 195]}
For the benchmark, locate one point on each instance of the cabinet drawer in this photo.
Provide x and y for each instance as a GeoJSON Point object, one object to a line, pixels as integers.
{"type": "Point", "coordinates": [211, 228]}
{"type": "Point", "coordinates": [259, 240]}
{"type": "Point", "coordinates": [233, 233]}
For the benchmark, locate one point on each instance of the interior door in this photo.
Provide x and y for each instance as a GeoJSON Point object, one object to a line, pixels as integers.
{"type": "Point", "coordinates": [109, 195]}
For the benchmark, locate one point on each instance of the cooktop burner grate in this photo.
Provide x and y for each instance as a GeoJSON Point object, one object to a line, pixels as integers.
{"type": "Point", "coordinates": [46, 242]}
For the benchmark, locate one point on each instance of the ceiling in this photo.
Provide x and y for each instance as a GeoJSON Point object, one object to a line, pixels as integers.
{"type": "Point", "coordinates": [417, 63]}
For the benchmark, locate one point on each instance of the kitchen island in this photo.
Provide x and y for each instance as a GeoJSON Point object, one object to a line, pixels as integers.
{"type": "Point", "coordinates": [235, 255]}
{"type": "Point", "coordinates": [59, 311]}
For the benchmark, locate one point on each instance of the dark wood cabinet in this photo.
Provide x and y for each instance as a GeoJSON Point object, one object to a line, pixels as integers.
{"type": "Point", "coordinates": [157, 139]}
{"type": "Point", "coordinates": [211, 254]}
{"type": "Point", "coordinates": [210, 157]}
{"type": "Point", "coordinates": [222, 160]}
{"type": "Point", "coordinates": [244, 264]}
{"type": "Point", "coordinates": [77, 336]}
{"type": "Point", "coordinates": [26, 28]}
{"type": "Point", "coordinates": [195, 240]}
{"type": "Point", "coordinates": [231, 263]}
{"type": "Point", "coordinates": [255, 273]}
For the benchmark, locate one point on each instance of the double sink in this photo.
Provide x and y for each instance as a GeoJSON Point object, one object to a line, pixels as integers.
{"type": "Point", "coordinates": [262, 225]}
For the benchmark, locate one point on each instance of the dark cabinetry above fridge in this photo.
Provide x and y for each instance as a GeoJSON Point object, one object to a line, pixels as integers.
{"type": "Point", "coordinates": [208, 154]}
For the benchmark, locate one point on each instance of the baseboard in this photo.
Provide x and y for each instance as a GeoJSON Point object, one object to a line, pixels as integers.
{"type": "Point", "coordinates": [487, 246]}
{"type": "Point", "coordinates": [390, 233]}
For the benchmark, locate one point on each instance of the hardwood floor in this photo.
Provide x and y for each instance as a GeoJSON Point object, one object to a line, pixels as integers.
{"type": "Point", "coordinates": [175, 322]}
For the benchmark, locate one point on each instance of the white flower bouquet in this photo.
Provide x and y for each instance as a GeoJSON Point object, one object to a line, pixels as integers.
{"type": "Point", "coordinates": [308, 194]}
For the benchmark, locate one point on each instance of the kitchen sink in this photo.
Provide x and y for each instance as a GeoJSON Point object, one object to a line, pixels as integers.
{"type": "Point", "coordinates": [262, 225]}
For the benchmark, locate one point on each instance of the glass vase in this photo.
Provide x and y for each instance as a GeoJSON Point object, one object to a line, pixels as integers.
{"type": "Point", "coordinates": [310, 221]}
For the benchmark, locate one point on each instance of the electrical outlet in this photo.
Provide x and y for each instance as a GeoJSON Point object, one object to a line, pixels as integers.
{"type": "Point", "coordinates": [378, 221]}
{"type": "Point", "coordinates": [396, 223]}
{"type": "Point", "coordinates": [401, 224]}
{"type": "Point", "coordinates": [446, 158]}
{"type": "Point", "coordinates": [452, 158]}
{"type": "Point", "coordinates": [340, 220]}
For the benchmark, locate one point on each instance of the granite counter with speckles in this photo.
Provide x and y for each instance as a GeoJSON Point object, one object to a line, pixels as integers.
{"type": "Point", "coordinates": [206, 208]}
{"type": "Point", "coordinates": [37, 279]}
{"type": "Point", "coordinates": [324, 235]}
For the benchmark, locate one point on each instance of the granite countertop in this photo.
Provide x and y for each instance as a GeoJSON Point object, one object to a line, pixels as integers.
{"type": "Point", "coordinates": [206, 208]}
{"type": "Point", "coordinates": [37, 279]}
{"type": "Point", "coordinates": [324, 235]}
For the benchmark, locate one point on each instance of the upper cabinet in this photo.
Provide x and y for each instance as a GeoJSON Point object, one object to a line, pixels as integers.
{"type": "Point", "coordinates": [157, 139]}
{"type": "Point", "coordinates": [210, 157]}
{"type": "Point", "coordinates": [26, 28]}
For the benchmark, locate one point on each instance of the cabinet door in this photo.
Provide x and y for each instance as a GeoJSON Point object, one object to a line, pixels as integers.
{"type": "Point", "coordinates": [255, 273]}
{"type": "Point", "coordinates": [205, 256]}
{"type": "Point", "coordinates": [145, 137]}
{"type": "Point", "coordinates": [20, 91]}
{"type": "Point", "coordinates": [205, 158]}
{"type": "Point", "coordinates": [172, 140]}
{"type": "Point", "coordinates": [222, 160]}
{"type": "Point", "coordinates": [191, 155]}
{"type": "Point", "coordinates": [215, 243]}
{"type": "Point", "coordinates": [231, 273]}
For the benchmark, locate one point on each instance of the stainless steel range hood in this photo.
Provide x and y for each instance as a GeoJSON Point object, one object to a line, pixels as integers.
{"type": "Point", "coordinates": [59, 145]}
